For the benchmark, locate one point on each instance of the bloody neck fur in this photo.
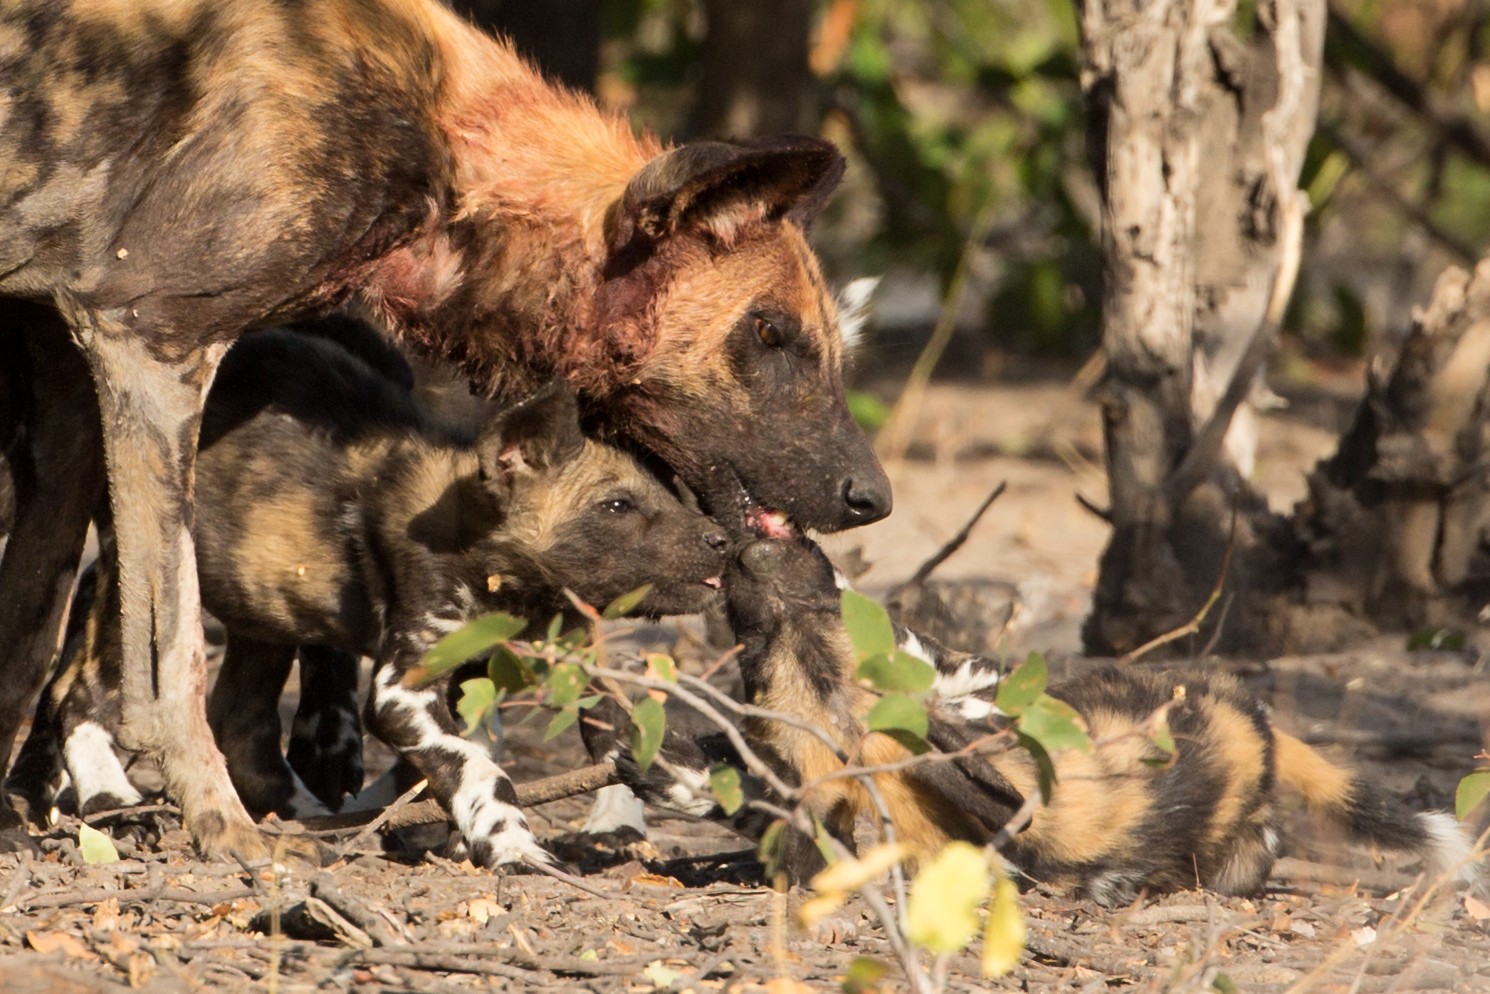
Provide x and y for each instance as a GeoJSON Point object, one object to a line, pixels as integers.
{"type": "Point", "coordinates": [504, 276]}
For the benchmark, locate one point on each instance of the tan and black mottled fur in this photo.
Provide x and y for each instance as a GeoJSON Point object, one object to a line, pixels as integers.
{"type": "Point", "coordinates": [1122, 818]}
{"type": "Point", "coordinates": [334, 512]}
{"type": "Point", "coordinates": [175, 172]}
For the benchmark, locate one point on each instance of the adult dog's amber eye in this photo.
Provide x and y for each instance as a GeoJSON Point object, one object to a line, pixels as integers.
{"type": "Point", "coordinates": [770, 335]}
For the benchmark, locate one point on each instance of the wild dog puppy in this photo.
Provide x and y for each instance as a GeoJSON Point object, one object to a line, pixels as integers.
{"type": "Point", "coordinates": [1115, 824]}
{"type": "Point", "coordinates": [176, 172]}
{"type": "Point", "coordinates": [333, 513]}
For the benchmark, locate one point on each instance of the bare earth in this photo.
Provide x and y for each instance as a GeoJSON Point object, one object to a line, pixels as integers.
{"type": "Point", "coordinates": [688, 910]}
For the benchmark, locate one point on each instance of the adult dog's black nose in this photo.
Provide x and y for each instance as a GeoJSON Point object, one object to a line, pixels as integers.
{"type": "Point", "coordinates": [867, 500]}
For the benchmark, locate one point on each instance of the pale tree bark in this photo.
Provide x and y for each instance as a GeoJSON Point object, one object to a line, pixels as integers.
{"type": "Point", "coordinates": [1197, 136]}
{"type": "Point", "coordinates": [1395, 522]}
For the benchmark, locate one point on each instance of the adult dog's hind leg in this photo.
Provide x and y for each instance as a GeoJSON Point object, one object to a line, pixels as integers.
{"type": "Point", "coordinates": [151, 403]}
{"type": "Point", "coordinates": [57, 475]}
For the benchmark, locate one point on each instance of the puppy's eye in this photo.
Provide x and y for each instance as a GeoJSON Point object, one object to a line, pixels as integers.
{"type": "Point", "coordinates": [618, 505]}
{"type": "Point", "coordinates": [770, 335]}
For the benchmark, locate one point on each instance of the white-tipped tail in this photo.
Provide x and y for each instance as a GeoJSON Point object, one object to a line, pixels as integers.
{"type": "Point", "coordinates": [1450, 851]}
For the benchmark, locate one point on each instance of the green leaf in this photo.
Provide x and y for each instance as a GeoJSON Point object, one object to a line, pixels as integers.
{"type": "Point", "coordinates": [770, 849]}
{"type": "Point", "coordinates": [1471, 793]}
{"type": "Point", "coordinates": [868, 410]}
{"type": "Point", "coordinates": [560, 722]}
{"type": "Point", "coordinates": [565, 683]}
{"type": "Point", "coordinates": [96, 847]}
{"type": "Point", "coordinates": [897, 671]}
{"type": "Point", "coordinates": [1003, 939]}
{"type": "Point", "coordinates": [508, 671]}
{"type": "Point", "coordinates": [942, 913]}
{"type": "Point", "coordinates": [1223, 984]}
{"type": "Point", "coordinates": [1019, 689]}
{"type": "Point", "coordinates": [1055, 725]}
{"type": "Point", "coordinates": [472, 640]}
{"type": "Point", "coordinates": [902, 718]}
{"type": "Point", "coordinates": [1043, 766]}
{"type": "Point", "coordinates": [648, 722]}
{"type": "Point", "coordinates": [868, 625]}
{"type": "Point", "coordinates": [864, 975]}
{"type": "Point", "coordinates": [626, 603]}
{"type": "Point", "coordinates": [724, 781]}
{"type": "Point", "coordinates": [477, 697]}
{"type": "Point", "coordinates": [662, 667]}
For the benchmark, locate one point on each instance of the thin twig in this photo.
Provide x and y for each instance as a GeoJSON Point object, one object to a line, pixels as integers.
{"type": "Point", "coordinates": [924, 571]}
{"type": "Point", "coordinates": [1191, 627]}
{"type": "Point", "coordinates": [386, 815]}
{"type": "Point", "coordinates": [895, 436]}
{"type": "Point", "coordinates": [569, 878]}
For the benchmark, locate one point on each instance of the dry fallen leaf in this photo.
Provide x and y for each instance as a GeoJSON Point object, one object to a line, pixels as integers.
{"type": "Point", "coordinates": [59, 942]}
{"type": "Point", "coordinates": [657, 880]}
{"type": "Point", "coordinates": [1475, 908]}
{"type": "Point", "coordinates": [483, 909]}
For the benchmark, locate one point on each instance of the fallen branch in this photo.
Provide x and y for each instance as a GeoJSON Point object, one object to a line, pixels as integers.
{"type": "Point", "coordinates": [1191, 627]}
{"type": "Point", "coordinates": [924, 571]}
{"type": "Point", "coordinates": [394, 817]}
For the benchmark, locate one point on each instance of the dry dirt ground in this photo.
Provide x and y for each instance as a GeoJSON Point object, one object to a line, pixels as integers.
{"type": "Point", "coordinates": [688, 910]}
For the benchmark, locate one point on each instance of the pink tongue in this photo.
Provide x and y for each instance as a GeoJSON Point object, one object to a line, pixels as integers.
{"type": "Point", "coordinates": [714, 582]}
{"type": "Point", "coordinates": [770, 524]}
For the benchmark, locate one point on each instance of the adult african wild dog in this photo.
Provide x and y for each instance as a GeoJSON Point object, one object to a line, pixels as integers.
{"type": "Point", "coordinates": [1121, 818]}
{"type": "Point", "coordinates": [333, 512]}
{"type": "Point", "coordinates": [173, 172]}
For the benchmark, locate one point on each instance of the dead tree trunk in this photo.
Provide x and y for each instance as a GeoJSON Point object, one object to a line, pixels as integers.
{"type": "Point", "coordinates": [1395, 520]}
{"type": "Point", "coordinates": [1197, 137]}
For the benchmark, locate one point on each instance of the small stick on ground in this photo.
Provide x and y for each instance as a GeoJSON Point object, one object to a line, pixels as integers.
{"type": "Point", "coordinates": [1191, 627]}
{"type": "Point", "coordinates": [924, 571]}
{"type": "Point", "coordinates": [401, 814]}
{"type": "Point", "coordinates": [387, 815]}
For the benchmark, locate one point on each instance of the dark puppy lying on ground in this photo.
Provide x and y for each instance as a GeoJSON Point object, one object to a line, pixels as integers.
{"type": "Point", "coordinates": [1122, 818]}
{"type": "Point", "coordinates": [332, 511]}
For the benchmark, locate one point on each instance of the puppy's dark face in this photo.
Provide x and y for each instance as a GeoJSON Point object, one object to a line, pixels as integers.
{"type": "Point", "coordinates": [593, 520]}
{"type": "Point", "coordinates": [776, 584]}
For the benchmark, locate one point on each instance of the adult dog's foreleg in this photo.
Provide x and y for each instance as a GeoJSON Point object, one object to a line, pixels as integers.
{"type": "Point", "coordinates": [151, 400]}
{"type": "Point", "coordinates": [57, 475]}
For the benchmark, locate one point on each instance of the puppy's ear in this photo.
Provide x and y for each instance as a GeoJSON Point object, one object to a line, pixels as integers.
{"type": "Point", "coordinates": [541, 434]}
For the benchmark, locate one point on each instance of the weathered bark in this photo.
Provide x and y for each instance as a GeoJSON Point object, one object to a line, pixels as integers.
{"type": "Point", "coordinates": [1197, 137]}
{"type": "Point", "coordinates": [754, 76]}
{"type": "Point", "coordinates": [1394, 521]}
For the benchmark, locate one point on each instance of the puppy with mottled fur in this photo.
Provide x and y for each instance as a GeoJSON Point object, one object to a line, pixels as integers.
{"type": "Point", "coordinates": [1122, 818]}
{"type": "Point", "coordinates": [333, 511]}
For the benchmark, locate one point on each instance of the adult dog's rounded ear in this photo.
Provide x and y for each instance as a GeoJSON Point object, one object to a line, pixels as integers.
{"type": "Point", "coordinates": [541, 433]}
{"type": "Point", "coordinates": [718, 188]}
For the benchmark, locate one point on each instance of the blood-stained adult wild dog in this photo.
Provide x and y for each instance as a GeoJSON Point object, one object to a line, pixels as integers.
{"type": "Point", "coordinates": [173, 172]}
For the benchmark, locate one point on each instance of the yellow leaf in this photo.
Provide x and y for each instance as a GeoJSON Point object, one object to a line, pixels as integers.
{"type": "Point", "coordinates": [815, 909]}
{"type": "Point", "coordinates": [943, 906]}
{"type": "Point", "coordinates": [1003, 941]}
{"type": "Point", "coordinates": [95, 846]}
{"type": "Point", "coordinates": [851, 874]}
